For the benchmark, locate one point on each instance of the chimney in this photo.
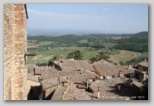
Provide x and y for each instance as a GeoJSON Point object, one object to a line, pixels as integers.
{"type": "Point", "coordinates": [98, 94]}
{"type": "Point", "coordinates": [130, 66]}
{"type": "Point", "coordinates": [145, 60]}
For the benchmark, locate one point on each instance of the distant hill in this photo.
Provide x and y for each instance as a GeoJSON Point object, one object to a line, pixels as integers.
{"type": "Point", "coordinates": [57, 32]}
{"type": "Point", "coordinates": [142, 34]}
{"type": "Point", "coordinates": [136, 42]}
{"type": "Point", "coordinates": [88, 33]}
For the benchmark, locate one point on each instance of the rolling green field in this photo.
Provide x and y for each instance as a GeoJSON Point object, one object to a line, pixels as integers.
{"type": "Point", "coordinates": [124, 50]}
{"type": "Point", "coordinates": [109, 45]}
{"type": "Point", "coordinates": [45, 55]}
{"type": "Point", "coordinates": [124, 56]}
{"type": "Point", "coordinates": [83, 41]}
{"type": "Point", "coordinates": [45, 43]}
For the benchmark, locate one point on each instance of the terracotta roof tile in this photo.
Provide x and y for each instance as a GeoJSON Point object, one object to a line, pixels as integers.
{"type": "Point", "coordinates": [58, 93]}
{"type": "Point", "coordinates": [32, 77]}
{"type": "Point", "coordinates": [49, 72]}
{"type": "Point", "coordinates": [50, 82]}
{"type": "Point", "coordinates": [73, 93]}
{"type": "Point", "coordinates": [72, 65]}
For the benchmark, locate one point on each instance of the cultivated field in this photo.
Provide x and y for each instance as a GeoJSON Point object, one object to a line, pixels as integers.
{"type": "Point", "coordinates": [124, 56]}
{"type": "Point", "coordinates": [46, 55]}
{"type": "Point", "coordinates": [89, 45]}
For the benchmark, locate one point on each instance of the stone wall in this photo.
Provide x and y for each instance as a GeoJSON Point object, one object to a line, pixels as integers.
{"type": "Point", "coordinates": [9, 52]}
{"type": "Point", "coordinates": [15, 46]}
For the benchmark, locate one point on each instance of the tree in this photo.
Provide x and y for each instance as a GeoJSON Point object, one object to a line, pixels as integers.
{"type": "Point", "coordinates": [101, 55]}
{"type": "Point", "coordinates": [50, 62]}
{"type": "Point", "coordinates": [76, 55]}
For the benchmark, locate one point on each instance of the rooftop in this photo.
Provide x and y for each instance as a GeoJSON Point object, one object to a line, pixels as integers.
{"type": "Point", "coordinates": [105, 68]}
{"type": "Point", "coordinates": [109, 90]}
{"type": "Point", "coordinates": [50, 82]}
{"type": "Point", "coordinates": [48, 72]}
{"type": "Point", "coordinates": [72, 65]}
{"type": "Point", "coordinates": [73, 93]}
{"type": "Point", "coordinates": [143, 63]}
{"type": "Point", "coordinates": [32, 77]}
{"type": "Point", "coordinates": [58, 93]}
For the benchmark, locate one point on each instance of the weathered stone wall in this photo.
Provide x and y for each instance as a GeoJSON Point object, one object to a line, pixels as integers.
{"type": "Point", "coordinates": [15, 46]}
{"type": "Point", "coordinates": [9, 52]}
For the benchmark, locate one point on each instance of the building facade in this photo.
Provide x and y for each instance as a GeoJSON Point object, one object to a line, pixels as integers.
{"type": "Point", "coordinates": [15, 47]}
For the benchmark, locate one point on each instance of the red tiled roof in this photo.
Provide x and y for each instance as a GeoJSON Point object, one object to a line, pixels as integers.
{"type": "Point", "coordinates": [72, 65]}
{"type": "Point", "coordinates": [32, 77]}
{"type": "Point", "coordinates": [104, 68]}
{"type": "Point", "coordinates": [58, 93]}
{"type": "Point", "coordinates": [50, 82]}
{"type": "Point", "coordinates": [49, 72]}
{"type": "Point", "coordinates": [73, 93]}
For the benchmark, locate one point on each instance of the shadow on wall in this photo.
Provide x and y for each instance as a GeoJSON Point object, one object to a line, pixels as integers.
{"type": "Point", "coordinates": [34, 93]}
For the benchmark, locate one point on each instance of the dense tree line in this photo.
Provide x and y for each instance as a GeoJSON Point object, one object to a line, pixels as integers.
{"type": "Point", "coordinates": [136, 42]}
{"type": "Point", "coordinates": [133, 44]}
{"type": "Point", "coordinates": [62, 39]}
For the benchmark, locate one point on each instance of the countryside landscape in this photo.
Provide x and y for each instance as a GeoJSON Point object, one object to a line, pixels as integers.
{"type": "Point", "coordinates": [125, 49]}
{"type": "Point", "coordinates": [76, 52]}
{"type": "Point", "coordinates": [106, 53]}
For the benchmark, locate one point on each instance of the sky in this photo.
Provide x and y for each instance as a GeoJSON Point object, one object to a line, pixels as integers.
{"type": "Point", "coordinates": [105, 18]}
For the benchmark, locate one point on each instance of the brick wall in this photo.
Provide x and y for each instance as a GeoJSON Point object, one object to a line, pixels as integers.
{"type": "Point", "coordinates": [15, 46]}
